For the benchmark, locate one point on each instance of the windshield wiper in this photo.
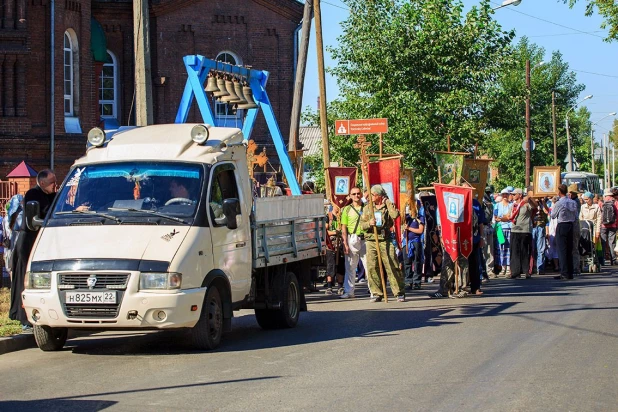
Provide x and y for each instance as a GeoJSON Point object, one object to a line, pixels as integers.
{"type": "Point", "coordinates": [150, 212]}
{"type": "Point", "coordinates": [91, 213]}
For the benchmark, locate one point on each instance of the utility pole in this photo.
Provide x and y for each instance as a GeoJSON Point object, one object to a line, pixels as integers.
{"type": "Point", "coordinates": [592, 145]}
{"type": "Point", "coordinates": [143, 74]}
{"type": "Point", "coordinates": [528, 142]}
{"type": "Point", "coordinates": [322, 83]}
{"type": "Point", "coordinates": [569, 152]}
{"type": "Point", "coordinates": [553, 115]}
{"type": "Point", "coordinates": [301, 67]}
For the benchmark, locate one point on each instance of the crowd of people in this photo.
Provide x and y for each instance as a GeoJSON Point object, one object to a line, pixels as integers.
{"type": "Point", "coordinates": [515, 235]}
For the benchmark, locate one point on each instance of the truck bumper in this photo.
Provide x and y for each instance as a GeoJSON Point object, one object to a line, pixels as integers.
{"type": "Point", "coordinates": [154, 310]}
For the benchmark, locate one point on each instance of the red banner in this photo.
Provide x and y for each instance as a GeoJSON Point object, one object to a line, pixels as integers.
{"type": "Point", "coordinates": [386, 173]}
{"type": "Point", "coordinates": [341, 180]}
{"type": "Point", "coordinates": [455, 207]}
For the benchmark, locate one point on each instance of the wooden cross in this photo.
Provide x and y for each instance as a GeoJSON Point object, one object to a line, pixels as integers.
{"type": "Point", "coordinates": [253, 159]}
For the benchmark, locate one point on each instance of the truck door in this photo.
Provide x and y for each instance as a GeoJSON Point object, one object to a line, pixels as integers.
{"type": "Point", "coordinates": [230, 248]}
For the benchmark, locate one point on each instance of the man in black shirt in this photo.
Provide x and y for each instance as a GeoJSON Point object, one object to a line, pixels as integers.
{"type": "Point", "coordinates": [44, 193]}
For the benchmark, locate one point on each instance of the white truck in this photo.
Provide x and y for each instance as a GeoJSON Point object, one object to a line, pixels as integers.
{"type": "Point", "coordinates": [157, 227]}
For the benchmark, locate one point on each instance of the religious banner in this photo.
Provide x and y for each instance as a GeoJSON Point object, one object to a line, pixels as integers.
{"type": "Point", "coordinates": [385, 172]}
{"type": "Point", "coordinates": [341, 181]}
{"type": "Point", "coordinates": [475, 172]}
{"type": "Point", "coordinates": [406, 193]}
{"type": "Point", "coordinates": [449, 164]}
{"type": "Point", "coordinates": [455, 208]}
{"type": "Point", "coordinates": [432, 254]}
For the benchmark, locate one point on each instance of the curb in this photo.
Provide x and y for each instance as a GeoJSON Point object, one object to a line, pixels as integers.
{"type": "Point", "coordinates": [17, 342]}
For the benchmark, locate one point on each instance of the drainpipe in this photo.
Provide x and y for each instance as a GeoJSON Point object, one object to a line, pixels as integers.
{"type": "Point", "coordinates": [52, 130]}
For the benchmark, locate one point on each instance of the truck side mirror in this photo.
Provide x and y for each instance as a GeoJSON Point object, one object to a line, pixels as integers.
{"type": "Point", "coordinates": [33, 221]}
{"type": "Point", "coordinates": [231, 209]}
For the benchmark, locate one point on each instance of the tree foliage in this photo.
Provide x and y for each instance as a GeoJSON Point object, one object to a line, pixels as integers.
{"type": "Point", "coordinates": [507, 114]}
{"type": "Point", "coordinates": [608, 9]}
{"type": "Point", "coordinates": [426, 67]}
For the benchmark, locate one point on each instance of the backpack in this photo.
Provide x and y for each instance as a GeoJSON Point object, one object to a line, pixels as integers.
{"type": "Point", "coordinates": [488, 208]}
{"type": "Point", "coordinates": [608, 213]}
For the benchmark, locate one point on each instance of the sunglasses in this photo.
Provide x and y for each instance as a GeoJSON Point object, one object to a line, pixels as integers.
{"type": "Point", "coordinates": [355, 194]}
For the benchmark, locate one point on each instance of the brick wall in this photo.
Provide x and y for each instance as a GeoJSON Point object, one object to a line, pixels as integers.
{"type": "Point", "coordinates": [260, 32]}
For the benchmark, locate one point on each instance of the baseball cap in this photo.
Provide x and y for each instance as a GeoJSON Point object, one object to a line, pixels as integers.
{"type": "Point", "coordinates": [587, 195]}
{"type": "Point", "coordinates": [505, 191]}
{"type": "Point", "coordinates": [518, 191]}
{"type": "Point", "coordinates": [607, 192]}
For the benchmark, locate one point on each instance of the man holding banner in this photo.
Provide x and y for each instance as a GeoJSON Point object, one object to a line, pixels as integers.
{"type": "Point", "coordinates": [353, 240]}
{"type": "Point", "coordinates": [383, 219]}
{"type": "Point", "coordinates": [456, 220]}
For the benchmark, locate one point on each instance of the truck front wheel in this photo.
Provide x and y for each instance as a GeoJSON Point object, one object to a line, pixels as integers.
{"type": "Point", "coordinates": [287, 292]}
{"type": "Point", "coordinates": [207, 332]}
{"type": "Point", "coordinates": [50, 339]}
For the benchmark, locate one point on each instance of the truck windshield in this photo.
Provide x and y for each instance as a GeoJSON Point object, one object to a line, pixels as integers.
{"type": "Point", "coordinates": [131, 188]}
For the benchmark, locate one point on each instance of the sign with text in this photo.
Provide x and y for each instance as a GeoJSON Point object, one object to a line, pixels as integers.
{"type": "Point", "coordinates": [361, 126]}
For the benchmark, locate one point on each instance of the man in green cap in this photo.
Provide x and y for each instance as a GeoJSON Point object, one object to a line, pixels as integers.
{"type": "Point", "coordinates": [383, 219]}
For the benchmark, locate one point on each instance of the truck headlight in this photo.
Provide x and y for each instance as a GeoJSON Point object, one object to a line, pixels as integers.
{"type": "Point", "coordinates": [160, 281]}
{"type": "Point", "coordinates": [37, 280]}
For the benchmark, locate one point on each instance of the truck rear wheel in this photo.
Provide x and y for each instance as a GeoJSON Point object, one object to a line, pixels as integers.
{"type": "Point", "coordinates": [50, 339]}
{"type": "Point", "coordinates": [207, 332]}
{"type": "Point", "coordinates": [287, 292]}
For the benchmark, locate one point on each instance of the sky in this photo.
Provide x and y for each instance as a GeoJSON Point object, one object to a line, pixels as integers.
{"type": "Point", "coordinates": [549, 23]}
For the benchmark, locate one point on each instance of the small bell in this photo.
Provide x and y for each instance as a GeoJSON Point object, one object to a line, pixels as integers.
{"type": "Point", "coordinates": [229, 86]}
{"type": "Point", "coordinates": [222, 90]}
{"type": "Point", "coordinates": [211, 85]}
{"type": "Point", "coordinates": [238, 91]}
{"type": "Point", "coordinates": [248, 94]}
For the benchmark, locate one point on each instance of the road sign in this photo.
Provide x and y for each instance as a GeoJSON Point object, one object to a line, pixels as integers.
{"type": "Point", "coordinates": [361, 126]}
{"type": "Point", "coordinates": [524, 145]}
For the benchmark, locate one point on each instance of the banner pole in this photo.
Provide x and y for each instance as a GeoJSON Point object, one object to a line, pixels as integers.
{"type": "Point", "coordinates": [362, 144]}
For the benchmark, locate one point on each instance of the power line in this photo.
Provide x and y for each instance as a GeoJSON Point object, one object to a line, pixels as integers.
{"type": "Point", "coordinates": [548, 21]}
{"type": "Point", "coordinates": [335, 5]}
{"type": "Point", "coordinates": [596, 74]}
{"type": "Point", "coordinates": [567, 34]}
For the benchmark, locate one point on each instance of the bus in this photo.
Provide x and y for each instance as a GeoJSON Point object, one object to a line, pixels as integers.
{"type": "Point", "coordinates": [586, 181]}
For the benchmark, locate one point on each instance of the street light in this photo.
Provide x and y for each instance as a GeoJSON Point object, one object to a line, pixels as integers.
{"type": "Point", "coordinates": [508, 3]}
{"type": "Point", "coordinates": [592, 136]}
{"type": "Point", "coordinates": [566, 122]}
{"type": "Point", "coordinates": [528, 138]}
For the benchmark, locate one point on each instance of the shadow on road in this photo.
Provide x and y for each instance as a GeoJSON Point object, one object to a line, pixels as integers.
{"type": "Point", "coordinates": [77, 403]}
{"type": "Point", "coordinates": [371, 321]}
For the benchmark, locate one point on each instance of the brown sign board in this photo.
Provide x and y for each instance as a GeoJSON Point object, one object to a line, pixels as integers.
{"type": "Point", "coordinates": [361, 126]}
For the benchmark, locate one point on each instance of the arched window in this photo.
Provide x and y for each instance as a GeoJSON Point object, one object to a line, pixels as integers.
{"type": "Point", "coordinates": [225, 112]}
{"type": "Point", "coordinates": [108, 89]}
{"type": "Point", "coordinates": [69, 90]}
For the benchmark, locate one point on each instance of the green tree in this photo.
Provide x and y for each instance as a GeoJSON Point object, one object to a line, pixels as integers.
{"type": "Point", "coordinates": [506, 115]}
{"type": "Point", "coordinates": [426, 67]}
{"type": "Point", "coordinates": [608, 9]}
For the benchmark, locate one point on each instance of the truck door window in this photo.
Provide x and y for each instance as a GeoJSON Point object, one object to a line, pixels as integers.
{"type": "Point", "coordinates": [223, 187]}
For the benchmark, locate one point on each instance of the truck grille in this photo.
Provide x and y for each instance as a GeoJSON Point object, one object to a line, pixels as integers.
{"type": "Point", "coordinates": [91, 311]}
{"type": "Point", "coordinates": [80, 280]}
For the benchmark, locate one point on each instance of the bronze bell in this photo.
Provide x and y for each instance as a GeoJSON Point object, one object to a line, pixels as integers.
{"type": "Point", "coordinates": [211, 85]}
{"type": "Point", "coordinates": [229, 86]}
{"type": "Point", "coordinates": [222, 90]}
{"type": "Point", "coordinates": [238, 91]}
{"type": "Point", "coordinates": [248, 94]}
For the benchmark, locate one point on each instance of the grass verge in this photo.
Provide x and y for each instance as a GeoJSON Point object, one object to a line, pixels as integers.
{"type": "Point", "coordinates": [8, 327]}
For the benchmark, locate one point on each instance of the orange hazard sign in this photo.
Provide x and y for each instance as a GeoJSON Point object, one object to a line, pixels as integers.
{"type": "Point", "coordinates": [361, 126]}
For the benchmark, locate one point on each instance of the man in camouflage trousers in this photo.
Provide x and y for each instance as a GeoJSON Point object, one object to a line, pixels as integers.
{"type": "Point", "coordinates": [383, 219]}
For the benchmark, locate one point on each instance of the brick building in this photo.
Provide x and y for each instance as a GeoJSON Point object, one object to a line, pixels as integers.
{"type": "Point", "coordinates": [94, 69]}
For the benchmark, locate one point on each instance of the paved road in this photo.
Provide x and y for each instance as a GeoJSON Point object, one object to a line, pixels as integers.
{"type": "Point", "coordinates": [535, 344]}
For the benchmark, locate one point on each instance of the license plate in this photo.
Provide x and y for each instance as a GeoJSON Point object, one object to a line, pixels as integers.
{"type": "Point", "coordinates": [91, 297]}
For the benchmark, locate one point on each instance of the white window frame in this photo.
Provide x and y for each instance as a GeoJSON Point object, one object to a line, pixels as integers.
{"type": "Point", "coordinates": [114, 101]}
{"type": "Point", "coordinates": [71, 92]}
{"type": "Point", "coordinates": [227, 119]}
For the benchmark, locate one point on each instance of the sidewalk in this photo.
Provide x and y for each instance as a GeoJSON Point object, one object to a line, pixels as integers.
{"type": "Point", "coordinates": [16, 342]}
